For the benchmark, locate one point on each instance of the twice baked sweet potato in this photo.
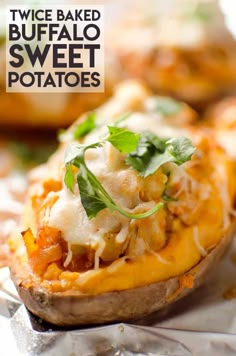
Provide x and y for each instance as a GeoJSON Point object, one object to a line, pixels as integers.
{"type": "Point", "coordinates": [189, 55]}
{"type": "Point", "coordinates": [130, 220]}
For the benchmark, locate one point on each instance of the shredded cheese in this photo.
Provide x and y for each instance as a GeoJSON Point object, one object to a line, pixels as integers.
{"type": "Point", "coordinates": [68, 257]}
{"type": "Point", "coordinates": [122, 235]}
{"type": "Point", "coordinates": [159, 257]}
{"type": "Point", "coordinates": [117, 264]}
{"type": "Point", "coordinates": [98, 253]}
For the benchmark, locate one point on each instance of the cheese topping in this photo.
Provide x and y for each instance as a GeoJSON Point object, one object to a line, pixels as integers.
{"type": "Point", "coordinates": [68, 214]}
{"type": "Point", "coordinates": [108, 231]}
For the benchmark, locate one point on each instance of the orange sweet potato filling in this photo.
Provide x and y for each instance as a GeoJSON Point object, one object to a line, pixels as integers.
{"type": "Point", "coordinates": [47, 252]}
{"type": "Point", "coordinates": [43, 251]}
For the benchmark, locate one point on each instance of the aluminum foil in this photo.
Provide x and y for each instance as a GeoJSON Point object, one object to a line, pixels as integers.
{"type": "Point", "coordinates": [203, 323]}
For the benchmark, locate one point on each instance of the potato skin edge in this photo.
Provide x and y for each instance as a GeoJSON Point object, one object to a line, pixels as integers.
{"type": "Point", "coordinates": [72, 308]}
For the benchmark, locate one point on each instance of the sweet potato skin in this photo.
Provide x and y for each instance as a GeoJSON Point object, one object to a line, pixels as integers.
{"type": "Point", "coordinates": [73, 308]}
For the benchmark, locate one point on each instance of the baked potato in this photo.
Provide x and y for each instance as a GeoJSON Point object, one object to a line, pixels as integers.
{"type": "Point", "coordinates": [129, 221]}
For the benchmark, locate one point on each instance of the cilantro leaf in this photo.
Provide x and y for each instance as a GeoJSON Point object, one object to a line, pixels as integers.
{"type": "Point", "coordinates": [145, 153]}
{"type": "Point", "coordinates": [167, 106]}
{"type": "Point", "coordinates": [155, 162]}
{"type": "Point", "coordinates": [152, 152]}
{"type": "Point", "coordinates": [75, 153]}
{"type": "Point", "coordinates": [69, 178]}
{"type": "Point", "coordinates": [86, 126]}
{"type": "Point", "coordinates": [90, 199]}
{"type": "Point", "coordinates": [123, 140]}
{"type": "Point", "coordinates": [136, 163]}
{"type": "Point", "coordinates": [181, 149]}
{"type": "Point", "coordinates": [94, 197]}
{"type": "Point", "coordinates": [149, 137]}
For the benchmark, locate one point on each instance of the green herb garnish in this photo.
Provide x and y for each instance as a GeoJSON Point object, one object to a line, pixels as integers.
{"type": "Point", "coordinates": [86, 126]}
{"type": "Point", "coordinates": [31, 154]}
{"type": "Point", "coordinates": [94, 197]}
{"type": "Point", "coordinates": [123, 140]}
{"type": "Point", "coordinates": [69, 177]}
{"type": "Point", "coordinates": [198, 13]}
{"type": "Point", "coordinates": [167, 198]}
{"type": "Point", "coordinates": [81, 130]}
{"type": "Point", "coordinates": [152, 152]}
{"type": "Point", "coordinates": [167, 106]}
{"type": "Point", "coordinates": [145, 153]}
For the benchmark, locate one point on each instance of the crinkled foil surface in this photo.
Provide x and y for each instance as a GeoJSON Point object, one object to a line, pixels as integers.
{"type": "Point", "coordinates": [202, 324]}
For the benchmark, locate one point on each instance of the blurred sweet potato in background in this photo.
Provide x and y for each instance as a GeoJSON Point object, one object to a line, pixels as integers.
{"type": "Point", "coordinates": [179, 48]}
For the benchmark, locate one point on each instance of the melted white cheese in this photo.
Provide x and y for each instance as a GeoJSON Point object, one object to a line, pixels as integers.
{"type": "Point", "coordinates": [69, 256]}
{"type": "Point", "coordinates": [138, 122]}
{"type": "Point", "coordinates": [68, 214]}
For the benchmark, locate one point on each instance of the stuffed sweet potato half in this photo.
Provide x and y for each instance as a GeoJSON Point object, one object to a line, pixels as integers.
{"type": "Point", "coordinates": [129, 215]}
{"type": "Point", "coordinates": [183, 49]}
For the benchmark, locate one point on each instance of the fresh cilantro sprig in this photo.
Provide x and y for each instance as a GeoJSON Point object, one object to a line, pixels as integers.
{"type": "Point", "coordinates": [94, 197]}
{"type": "Point", "coordinates": [80, 130]}
{"type": "Point", "coordinates": [86, 126]}
{"type": "Point", "coordinates": [152, 152]}
{"type": "Point", "coordinates": [89, 124]}
{"type": "Point", "coordinates": [146, 152]}
{"type": "Point", "coordinates": [123, 140]}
